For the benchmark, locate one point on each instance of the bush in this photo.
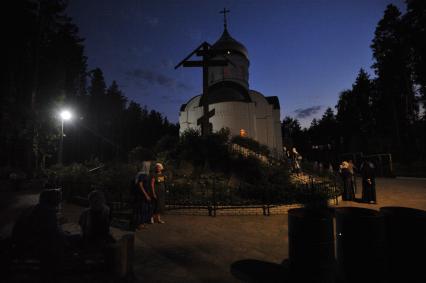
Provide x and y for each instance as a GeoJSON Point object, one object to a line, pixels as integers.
{"type": "Point", "coordinates": [139, 154]}
{"type": "Point", "coordinates": [114, 179]}
{"type": "Point", "coordinates": [209, 151]}
{"type": "Point", "coordinates": [249, 169]}
{"type": "Point", "coordinates": [251, 144]}
{"type": "Point", "coordinates": [75, 179]}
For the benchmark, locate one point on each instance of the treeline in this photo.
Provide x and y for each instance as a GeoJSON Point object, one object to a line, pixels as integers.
{"type": "Point", "coordinates": [384, 114]}
{"type": "Point", "coordinates": [46, 71]}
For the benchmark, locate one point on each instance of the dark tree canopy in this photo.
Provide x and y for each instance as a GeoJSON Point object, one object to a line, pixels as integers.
{"type": "Point", "coordinates": [46, 71]}
{"type": "Point", "coordinates": [381, 114]}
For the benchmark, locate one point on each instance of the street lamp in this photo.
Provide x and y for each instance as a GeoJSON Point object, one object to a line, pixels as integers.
{"type": "Point", "coordinates": [65, 116]}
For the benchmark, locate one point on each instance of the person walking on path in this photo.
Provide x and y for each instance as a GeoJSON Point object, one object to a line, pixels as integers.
{"type": "Point", "coordinates": [159, 193]}
{"type": "Point", "coordinates": [368, 182]}
{"type": "Point", "coordinates": [352, 169]}
{"type": "Point", "coordinates": [142, 198]}
{"type": "Point", "coordinates": [348, 193]}
{"type": "Point", "coordinates": [295, 161]}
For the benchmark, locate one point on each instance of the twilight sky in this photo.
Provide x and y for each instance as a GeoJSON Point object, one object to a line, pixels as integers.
{"type": "Point", "coordinates": [303, 51]}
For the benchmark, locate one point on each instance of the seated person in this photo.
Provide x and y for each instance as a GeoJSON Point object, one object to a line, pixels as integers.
{"type": "Point", "coordinates": [95, 221]}
{"type": "Point", "coordinates": [37, 233]}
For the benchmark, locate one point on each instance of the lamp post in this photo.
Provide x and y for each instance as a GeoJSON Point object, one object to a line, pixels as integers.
{"type": "Point", "coordinates": [65, 115]}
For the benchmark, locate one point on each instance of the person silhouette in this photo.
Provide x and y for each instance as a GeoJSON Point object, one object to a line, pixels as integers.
{"type": "Point", "coordinates": [367, 170]}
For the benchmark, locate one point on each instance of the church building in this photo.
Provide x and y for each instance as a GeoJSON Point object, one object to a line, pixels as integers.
{"type": "Point", "coordinates": [243, 111]}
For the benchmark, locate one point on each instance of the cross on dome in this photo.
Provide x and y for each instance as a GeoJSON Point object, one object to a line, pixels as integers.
{"type": "Point", "coordinates": [224, 12]}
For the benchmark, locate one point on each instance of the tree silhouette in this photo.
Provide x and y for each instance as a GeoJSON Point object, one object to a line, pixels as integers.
{"type": "Point", "coordinates": [395, 104]}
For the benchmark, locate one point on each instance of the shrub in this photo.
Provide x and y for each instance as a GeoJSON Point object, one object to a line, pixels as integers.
{"type": "Point", "coordinates": [209, 151]}
{"type": "Point", "coordinates": [251, 144]}
{"type": "Point", "coordinates": [140, 153]}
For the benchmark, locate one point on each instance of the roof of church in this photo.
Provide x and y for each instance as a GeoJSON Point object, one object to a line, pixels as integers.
{"type": "Point", "coordinates": [274, 101]}
{"type": "Point", "coordinates": [227, 42]}
{"type": "Point", "coordinates": [226, 91]}
{"type": "Point", "coordinates": [193, 101]}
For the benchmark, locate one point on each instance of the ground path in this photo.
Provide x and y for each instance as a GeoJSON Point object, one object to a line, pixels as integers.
{"type": "Point", "coordinates": [201, 248]}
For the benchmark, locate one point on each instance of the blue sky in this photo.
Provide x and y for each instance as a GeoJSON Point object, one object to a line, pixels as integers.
{"type": "Point", "coordinates": [304, 52]}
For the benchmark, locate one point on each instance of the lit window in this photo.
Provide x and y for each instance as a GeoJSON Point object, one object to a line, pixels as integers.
{"type": "Point", "coordinates": [243, 133]}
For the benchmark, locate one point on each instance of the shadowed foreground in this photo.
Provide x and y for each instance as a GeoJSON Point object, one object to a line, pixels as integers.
{"type": "Point", "coordinates": [202, 248]}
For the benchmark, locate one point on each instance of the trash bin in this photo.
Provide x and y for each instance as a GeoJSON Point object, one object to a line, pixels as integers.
{"type": "Point", "coordinates": [311, 245]}
{"type": "Point", "coordinates": [360, 235]}
{"type": "Point", "coordinates": [405, 243]}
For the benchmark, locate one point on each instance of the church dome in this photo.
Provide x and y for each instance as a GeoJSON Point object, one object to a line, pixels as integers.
{"type": "Point", "coordinates": [227, 42]}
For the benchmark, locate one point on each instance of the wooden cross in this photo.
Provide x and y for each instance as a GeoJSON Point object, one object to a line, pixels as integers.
{"type": "Point", "coordinates": [224, 12]}
{"type": "Point", "coordinates": [205, 51]}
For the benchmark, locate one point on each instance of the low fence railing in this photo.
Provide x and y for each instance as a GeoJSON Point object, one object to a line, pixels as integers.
{"type": "Point", "coordinates": [213, 196]}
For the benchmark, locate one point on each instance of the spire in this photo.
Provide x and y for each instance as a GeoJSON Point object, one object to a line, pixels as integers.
{"type": "Point", "coordinates": [224, 12]}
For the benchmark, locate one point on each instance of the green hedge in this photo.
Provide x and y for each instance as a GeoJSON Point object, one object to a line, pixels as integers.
{"type": "Point", "coordinates": [251, 144]}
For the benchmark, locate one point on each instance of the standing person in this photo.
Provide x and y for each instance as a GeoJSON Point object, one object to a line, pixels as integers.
{"type": "Point", "coordinates": [320, 167]}
{"type": "Point", "coordinates": [352, 169]}
{"type": "Point", "coordinates": [142, 197]}
{"type": "Point", "coordinates": [294, 160]}
{"type": "Point", "coordinates": [159, 192]}
{"type": "Point", "coordinates": [348, 193]}
{"type": "Point", "coordinates": [368, 182]}
{"type": "Point", "coordinates": [330, 169]}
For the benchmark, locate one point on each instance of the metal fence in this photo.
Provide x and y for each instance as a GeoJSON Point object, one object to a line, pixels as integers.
{"type": "Point", "coordinates": [214, 196]}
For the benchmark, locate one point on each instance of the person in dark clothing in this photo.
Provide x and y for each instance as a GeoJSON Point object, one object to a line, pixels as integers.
{"type": "Point", "coordinates": [352, 168]}
{"type": "Point", "coordinates": [37, 233]}
{"type": "Point", "coordinates": [367, 170]}
{"type": "Point", "coordinates": [159, 193]}
{"type": "Point", "coordinates": [95, 221]}
{"type": "Point", "coordinates": [142, 198]}
{"type": "Point", "coordinates": [348, 188]}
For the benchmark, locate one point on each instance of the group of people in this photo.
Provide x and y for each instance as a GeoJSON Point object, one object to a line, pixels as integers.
{"type": "Point", "coordinates": [38, 233]}
{"type": "Point", "coordinates": [294, 159]}
{"type": "Point", "coordinates": [149, 194]}
{"type": "Point", "coordinates": [347, 171]}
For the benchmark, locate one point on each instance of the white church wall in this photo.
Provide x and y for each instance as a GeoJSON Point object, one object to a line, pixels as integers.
{"type": "Point", "coordinates": [264, 120]}
{"type": "Point", "coordinates": [188, 118]}
{"type": "Point", "coordinates": [261, 130]}
{"type": "Point", "coordinates": [183, 121]}
{"type": "Point", "coordinates": [278, 134]}
{"type": "Point", "coordinates": [233, 115]}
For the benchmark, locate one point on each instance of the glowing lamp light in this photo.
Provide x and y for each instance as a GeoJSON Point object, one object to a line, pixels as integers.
{"type": "Point", "coordinates": [65, 115]}
{"type": "Point", "coordinates": [243, 133]}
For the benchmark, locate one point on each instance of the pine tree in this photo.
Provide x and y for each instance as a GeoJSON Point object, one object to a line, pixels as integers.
{"type": "Point", "coordinates": [415, 21]}
{"type": "Point", "coordinates": [354, 113]}
{"type": "Point", "coordinates": [394, 103]}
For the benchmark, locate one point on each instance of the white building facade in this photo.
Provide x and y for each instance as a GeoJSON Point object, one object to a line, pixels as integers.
{"type": "Point", "coordinates": [236, 107]}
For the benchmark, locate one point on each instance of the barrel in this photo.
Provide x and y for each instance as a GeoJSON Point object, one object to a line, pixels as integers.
{"type": "Point", "coordinates": [117, 258]}
{"type": "Point", "coordinates": [311, 245]}
{"type": "Point", "coordinates": [360, 234]}
{"type": "Point", "coordinates": [405, 243]}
